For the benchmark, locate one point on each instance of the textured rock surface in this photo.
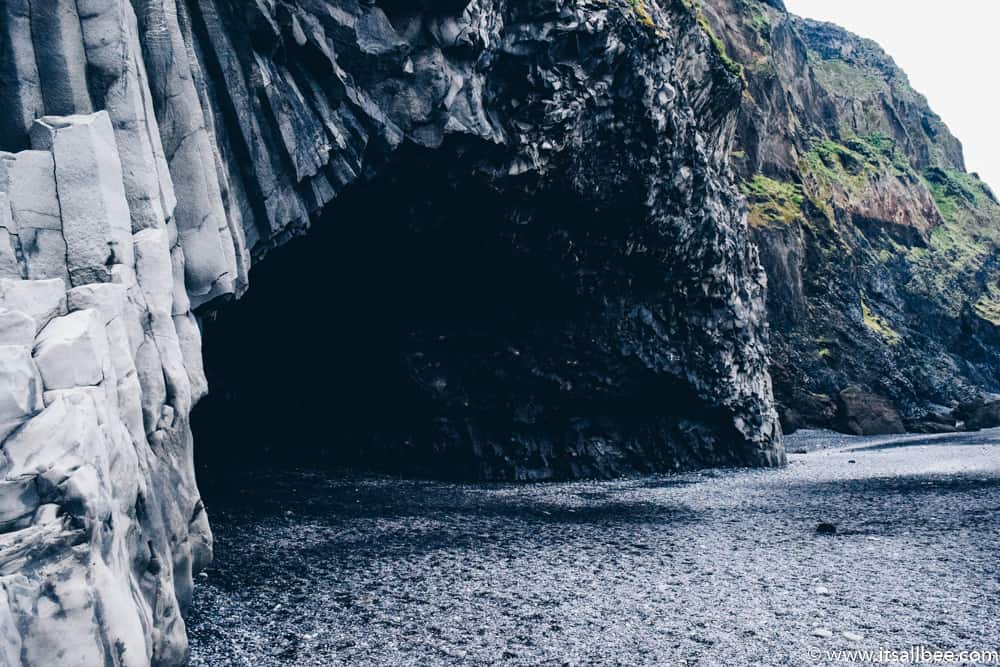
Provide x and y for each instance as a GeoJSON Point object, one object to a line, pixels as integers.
{"type": "Point", "coordinates": [984, 416]}
{"type": "Point", "coordinates": [154, 147]}
{"type": "Point", "coordinates": [418, 572]}
{"type": "Point", "coordinates": [863, 413]}
{"type": "Point", "coordinates": [101, 522]}
{"type": "Point", "coordinates": [535, 105]}
{"type": "Point", "coordinates": [881, 251]}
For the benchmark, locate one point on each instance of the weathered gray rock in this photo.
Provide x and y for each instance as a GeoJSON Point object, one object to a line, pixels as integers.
{"type": "Point", "coordinates": [986, 415]}
{"type": "Point", "coordinates": [62, 63]}
{"type": "Point", "coordinates": [28, 180]}
{"type": "Point", "coordinates": [16, 328]}
{"type": "Point", "coordinates": [92, 208]}
{"type": "Point", "coordinates": [20, 387]}
{"type": "Point", "coordinates": [19, 70]}
{"type": "Point", "coordinates": [86, 504]}
{"type": "Point", "coordinates": [72, 351]}
{"type": "Point", "coordinates": [9, 266]}
{"type": "Point", "coordinates": [40, 300]}
{"type": "Point", "coordinates": [72, 451]}
{"type": "Point", "coordinates": [864, 413]}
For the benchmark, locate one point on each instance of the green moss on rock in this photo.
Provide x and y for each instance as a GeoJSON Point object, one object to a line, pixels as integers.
{"type": "Point", "coordinates": [879, 325]}
{"type": "Point", "coordinates": [642, 13]}
{"type": "Point", "coordinates": [954, 267]}
{"type": "Point", "coordinates": [717, 42]}
{"type": "Point", "coordinates": [773, 201]}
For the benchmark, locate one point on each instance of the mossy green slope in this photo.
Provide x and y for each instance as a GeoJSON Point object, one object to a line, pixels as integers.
{"type": "Point", "coordinates": [882, 252]}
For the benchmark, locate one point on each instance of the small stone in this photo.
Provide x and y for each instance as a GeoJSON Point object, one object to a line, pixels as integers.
{"type": "Point", "coordinates": [853, 636]}
{"type": "Point", "coordinates": [826, 529]}
{"type": "Point", "coordinates": [822, 590]}
{"type": "Point", "coordinates": [822, 632]}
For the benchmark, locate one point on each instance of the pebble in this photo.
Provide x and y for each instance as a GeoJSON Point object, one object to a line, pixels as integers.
{"type": "Point", "coordinates": [644, 571]}
{"type": "Point", "coordinates": [822, 590]}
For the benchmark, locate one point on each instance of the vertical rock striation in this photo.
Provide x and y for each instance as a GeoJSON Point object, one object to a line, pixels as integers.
{"type": "Point", "coordinates": [102, 521]}
{"type": "Point", "coordinates": [157, 146]}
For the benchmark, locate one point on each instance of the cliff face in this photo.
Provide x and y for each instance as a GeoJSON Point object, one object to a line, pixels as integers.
{"type": "Point", "coordinates": [156, 149]}
{"type": "Point", "coordinates": [556, 176]}
{"type": "Point", "coordinates": [881, 251]}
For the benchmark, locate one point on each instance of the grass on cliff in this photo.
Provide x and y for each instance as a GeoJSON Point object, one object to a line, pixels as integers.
{"type": "Point", "coordinates": [960, 251]}
{"type": "Point", "coordinates": [879, 325]}
{"type": "Point", "coordinates": [847, 80]}
{"type": "Point", "coordinates": [955, 192]}
{"type": "Point", "coordinates": [642, 13]}
{"type": "Point", "coordinates": [850, 164]}
{"type": "Point", "coordinates": [988, 305]}
{"type": "Point", "coordinates": [838, 163]}
{"type": "Point", "coordinates": [717, 42]}
{"type": "Point", "coordinates": [773, 201]}
{"type": "Point", "coordinates": [883, 146]}
{"type": "Point", "coordinates": [956, 263]}
{"type": "Point", "coordinates": [758, 18]}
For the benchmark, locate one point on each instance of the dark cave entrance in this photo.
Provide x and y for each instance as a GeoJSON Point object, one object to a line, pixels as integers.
{"type": "Point", "coordinates": [322, 362]}
{"type": "Point", "coordinates": [432, 324]}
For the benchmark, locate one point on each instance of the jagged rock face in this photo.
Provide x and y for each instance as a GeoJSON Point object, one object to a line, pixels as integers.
{"type": "Point", "coordinates": [593, 195]}
{"type": "Point", "coordinates": [600, 145]}
{"type": "Point", "coordinates": [156, 148]}
{"type": "Point", "coordinates": [880, 250]}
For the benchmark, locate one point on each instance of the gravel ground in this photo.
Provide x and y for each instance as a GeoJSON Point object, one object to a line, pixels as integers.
{"type": "Point", "coordinates": [709, 568]}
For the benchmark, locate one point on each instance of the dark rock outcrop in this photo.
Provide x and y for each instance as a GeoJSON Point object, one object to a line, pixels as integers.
{"type": "Point", "coordinates": [932, 422]}
{"type": "Point", "coordinates": [984, 416]}
{"type": "Point", "coordinates": [862, 413]}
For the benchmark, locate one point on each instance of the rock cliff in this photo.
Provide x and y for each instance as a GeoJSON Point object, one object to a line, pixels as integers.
{"type": "Point", "coordinates": [881, 251]}
{"type": "Point", "coordinates": [156, 149]}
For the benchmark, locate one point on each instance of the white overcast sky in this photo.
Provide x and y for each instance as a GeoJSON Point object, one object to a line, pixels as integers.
{"type": "Point", "coordinates": [951, 52]}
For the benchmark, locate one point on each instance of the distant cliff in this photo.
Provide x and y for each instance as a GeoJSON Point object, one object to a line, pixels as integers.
{"type": "Point", "coordinates": [882, 253]}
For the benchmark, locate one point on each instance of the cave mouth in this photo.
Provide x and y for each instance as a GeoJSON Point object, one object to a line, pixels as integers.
{"type": "Point", "coordinates": [320, 363]}
{"type": "Point", "coordinates": [415, 329]}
